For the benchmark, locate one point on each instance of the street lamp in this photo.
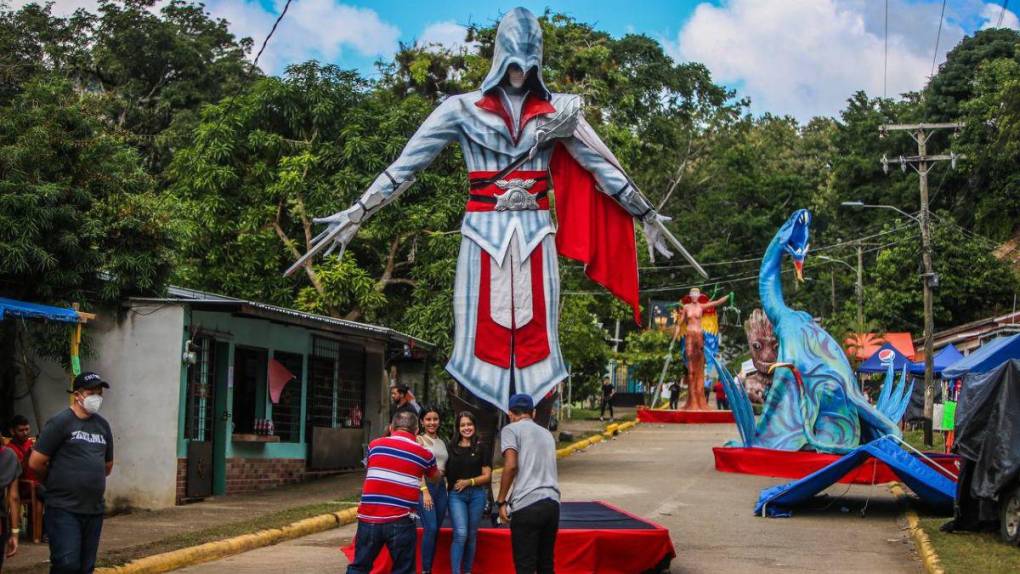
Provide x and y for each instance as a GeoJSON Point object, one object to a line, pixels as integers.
{"type": "Point", "coordinates": [861, 204]}
{"type": "Point", "coordinates": [931, 281]}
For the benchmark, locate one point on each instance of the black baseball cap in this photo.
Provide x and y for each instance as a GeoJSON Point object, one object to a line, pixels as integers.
{"type": "Point", "coordinates": [88, 380]}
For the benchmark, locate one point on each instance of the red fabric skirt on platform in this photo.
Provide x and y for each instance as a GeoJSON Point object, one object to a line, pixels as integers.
{"type": "Point", "coordinates": [798, 464]}
{"type": "Point", "coordinates": [594, 538]}
{"type": "Point", "coordinates": [647, 415]}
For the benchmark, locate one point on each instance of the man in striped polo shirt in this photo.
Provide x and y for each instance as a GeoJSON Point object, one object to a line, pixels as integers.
{"type": "Point", "coordinates": [396, 464]}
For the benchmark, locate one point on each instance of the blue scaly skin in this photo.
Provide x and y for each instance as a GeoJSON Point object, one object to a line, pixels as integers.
{"type": "Point", "coordinates": [829, 413]}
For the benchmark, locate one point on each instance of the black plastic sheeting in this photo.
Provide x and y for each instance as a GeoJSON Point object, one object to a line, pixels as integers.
{"type": "Point", "coordinates": [988, 428]}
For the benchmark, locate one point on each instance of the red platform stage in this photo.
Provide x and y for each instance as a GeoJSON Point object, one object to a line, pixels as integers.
{"type": "Point", "coordinates": [594, 538]}
{"type": "Point", "coordinates": [798, 464]}
{"type": "Point", "coordinates": [647, 415]}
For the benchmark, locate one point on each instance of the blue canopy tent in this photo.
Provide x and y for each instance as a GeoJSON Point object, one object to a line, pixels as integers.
{"type": "Point", "coordinates": [943, 359]}
{"type": "Point", "coordinates": [987, 357]}
{"type": "Point", "coordinates": [930, 485]}
{"type": "Point", "coordinates": [9, 308]}
{"type": "Point", "coordinates": [878, 362]}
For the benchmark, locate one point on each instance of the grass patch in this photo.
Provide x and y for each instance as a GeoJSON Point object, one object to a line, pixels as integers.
{"type": "Point", "coordinates": [577, 414]}
{"type": "Point", "coordinates": [277, 519]}
{"type": "Point", "coordinates": [972, 551]}
{"type": "Point", "coordinates": [915, 438]}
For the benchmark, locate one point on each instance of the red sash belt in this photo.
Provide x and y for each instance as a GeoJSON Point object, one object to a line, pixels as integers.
{"type": "Point", "coordinates": [483, 193]}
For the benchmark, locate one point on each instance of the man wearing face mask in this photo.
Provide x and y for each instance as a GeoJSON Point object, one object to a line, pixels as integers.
{"type": "Point", "coordinates": [73, 457]}
{"type": "Point", "coordinates": [520, 140]}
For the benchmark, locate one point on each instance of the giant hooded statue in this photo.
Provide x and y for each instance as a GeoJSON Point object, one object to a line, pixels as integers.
{"type": "Point", "coordinates": [520, 142]}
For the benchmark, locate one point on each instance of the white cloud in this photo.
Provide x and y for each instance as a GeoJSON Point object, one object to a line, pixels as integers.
{"type": "Point", "coordinates": [805, 58]}
{"type": "Point", "coordinates": [991, 13]}
{"type": "Point", "coordinates": [449, 34]}
{"type": "Point", "coordinates": [320, 29]}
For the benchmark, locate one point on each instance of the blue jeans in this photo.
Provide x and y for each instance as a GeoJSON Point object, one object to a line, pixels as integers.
{"type": "Point", "coordinates": [432, 521]}
{"type": "Point", "coordinates": [74, 540]}
{"type": "Point", "coordinates": [466, 509]}
{"type": "Point", "coordinates": [400, 538]}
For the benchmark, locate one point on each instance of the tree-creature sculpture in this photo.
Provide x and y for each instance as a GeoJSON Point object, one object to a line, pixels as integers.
{"type": "Point", "coordinates": [520, 141]}
{"type": "Point", "coordinates": [697, 325]}
{"type": "Point", "coordinates": [814, 402]}
{"type": "Point", "coordinates": [764, 350]}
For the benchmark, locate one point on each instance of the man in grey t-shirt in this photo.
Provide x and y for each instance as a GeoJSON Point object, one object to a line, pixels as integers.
{"type": "Point", "coordinates": [529, 465]}
{"type": "Point", "coordinates": [73, 456]}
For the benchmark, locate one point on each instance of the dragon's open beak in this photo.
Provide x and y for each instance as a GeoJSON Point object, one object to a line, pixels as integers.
{"type": "Point", "coordinates": [798, 268]}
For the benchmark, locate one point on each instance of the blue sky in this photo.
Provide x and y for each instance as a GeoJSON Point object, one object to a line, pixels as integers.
{"type": "Point", "coordinates": [796, 57]}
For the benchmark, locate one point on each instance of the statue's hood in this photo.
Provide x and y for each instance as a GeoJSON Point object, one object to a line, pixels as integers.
{"type": "Point", "coordinates": [518, 41]}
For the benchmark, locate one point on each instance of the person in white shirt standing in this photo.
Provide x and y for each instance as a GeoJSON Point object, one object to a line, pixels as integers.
{"type": "Point", "coordinates": [533, 508]}
{"type": "Point", "coordinates": [434, 496]}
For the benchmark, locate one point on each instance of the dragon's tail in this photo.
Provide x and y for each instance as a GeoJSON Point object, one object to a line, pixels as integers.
{"type": "Point", "coordinates": [895, 396]}
{"type": "Point", "coordinates": [740, 404]}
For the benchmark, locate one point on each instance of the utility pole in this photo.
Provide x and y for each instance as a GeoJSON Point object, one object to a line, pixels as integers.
{"type": "Point", "coordinates": [860, 287]}
{"type": "Point", "coordinates": [922, 164]}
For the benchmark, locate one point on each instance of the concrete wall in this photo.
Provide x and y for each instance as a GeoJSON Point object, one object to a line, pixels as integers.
{"type": "Point", "coordinates": [142, 405]}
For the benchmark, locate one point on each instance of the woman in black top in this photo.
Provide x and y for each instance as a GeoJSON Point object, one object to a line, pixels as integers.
{"type": "Point", "coordinates": [468, 472]}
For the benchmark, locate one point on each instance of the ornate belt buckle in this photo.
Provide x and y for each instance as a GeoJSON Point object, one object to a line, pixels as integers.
{"type": "Point", "coordinates": [516, 196]}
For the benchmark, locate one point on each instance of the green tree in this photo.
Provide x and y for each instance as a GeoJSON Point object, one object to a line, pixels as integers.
{"type": "Point", "coordinates": [78, 220]}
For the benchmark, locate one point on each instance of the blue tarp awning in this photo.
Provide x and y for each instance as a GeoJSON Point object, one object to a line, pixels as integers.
{"type": "Point", "coordinates": [930, 485]}
{"type": "Point", "coordinates": [12, 308]}
{"type": "Point", "coordinates": [987, 357]}
{"type": "Point", "coordinates": [943, 359]}
{"type": "Point", "coordinates": [878, 362]}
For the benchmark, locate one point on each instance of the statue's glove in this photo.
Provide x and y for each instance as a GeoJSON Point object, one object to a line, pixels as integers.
{"type": "Point", "coordinates": [653, 226]}
{"type": "Point", "coordinates": [347, 222]}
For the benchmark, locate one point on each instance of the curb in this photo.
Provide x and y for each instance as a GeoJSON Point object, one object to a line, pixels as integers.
{"type": "Point", "coordinates": [219, 549]}
{"type": "Point", "coordinates": [210, 551]}
{"type": "Point", "coordinates": [929, 558]}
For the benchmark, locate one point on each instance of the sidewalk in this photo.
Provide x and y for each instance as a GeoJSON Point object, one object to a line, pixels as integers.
{"type": "Point", "coordinates": [142, 533]}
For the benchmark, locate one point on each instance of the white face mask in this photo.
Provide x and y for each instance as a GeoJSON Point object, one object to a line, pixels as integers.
{"type": "Point", "coordinates": [92, 404]}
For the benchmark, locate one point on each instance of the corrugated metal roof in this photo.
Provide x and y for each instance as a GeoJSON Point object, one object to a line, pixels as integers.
{"type": "Point", "coordinates": [181, 295]}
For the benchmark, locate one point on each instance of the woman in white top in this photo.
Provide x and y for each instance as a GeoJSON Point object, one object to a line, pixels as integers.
{"type": "Point", "coordinates": [434, 496]}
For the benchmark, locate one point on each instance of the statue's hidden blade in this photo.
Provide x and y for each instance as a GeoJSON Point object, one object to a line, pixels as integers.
{"type": "Point", "coordinates": [679, 247]}
{"type": "Point", "coordinates": [327, 238]}
{"type": "Point", "coordinates": [315, 250]}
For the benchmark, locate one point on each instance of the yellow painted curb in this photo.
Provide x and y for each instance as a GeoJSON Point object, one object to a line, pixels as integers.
{"type": "Point", "coordinates": [925, 550]}
{"type": "Point", "coordinates": [210, 551]}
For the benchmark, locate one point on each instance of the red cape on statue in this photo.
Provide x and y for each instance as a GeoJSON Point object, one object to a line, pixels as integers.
{"type": "Point", "coordinates": [594, 229]}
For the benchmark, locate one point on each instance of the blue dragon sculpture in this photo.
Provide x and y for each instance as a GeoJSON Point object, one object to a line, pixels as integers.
{"type": "Point", "coordinates": [814, 402]}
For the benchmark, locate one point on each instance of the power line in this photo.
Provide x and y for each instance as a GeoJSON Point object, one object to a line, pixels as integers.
{"type": "Point", "coordinates": [938, 37]}
{"type": "Point", "coordinates": [270, 35]}
{"type": "Point", "coordinates": [848, 243]}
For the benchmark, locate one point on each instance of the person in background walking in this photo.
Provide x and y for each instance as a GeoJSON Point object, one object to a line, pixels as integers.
{"type": "Point", "coordinates": [468, 473]}
{"type": "Point", "coordinates": [533, 508]}
{"type": "Point", "coordinates": [10, 504]}
{"type": "Point", "coordinates": [720, 396]}
{"type": "Point", "coordinates": [396, 465]}
{"type": "Point", "coordinates": [674, 395]}
{"type": "Point", "coordinates": [73, 457]}
{"type": "Point", "coordinates": [608, 391]}
{"type": "Point", "coordinates": [434, 496]}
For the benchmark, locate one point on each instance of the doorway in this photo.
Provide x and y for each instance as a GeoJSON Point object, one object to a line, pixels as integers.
{"type": "Point", "coordinates": [249, 402]}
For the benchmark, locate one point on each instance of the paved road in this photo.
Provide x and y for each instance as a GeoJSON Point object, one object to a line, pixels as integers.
{"type": "Point", "coordinates": [666, 473]}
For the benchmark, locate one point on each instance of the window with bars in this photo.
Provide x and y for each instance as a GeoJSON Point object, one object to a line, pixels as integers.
{"type": "Point", "coordinates": [287, 412]}
{"type": "Point", "coordinates": [336, 385]}
{"type": "Point", "coordinates": [201, 381]}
